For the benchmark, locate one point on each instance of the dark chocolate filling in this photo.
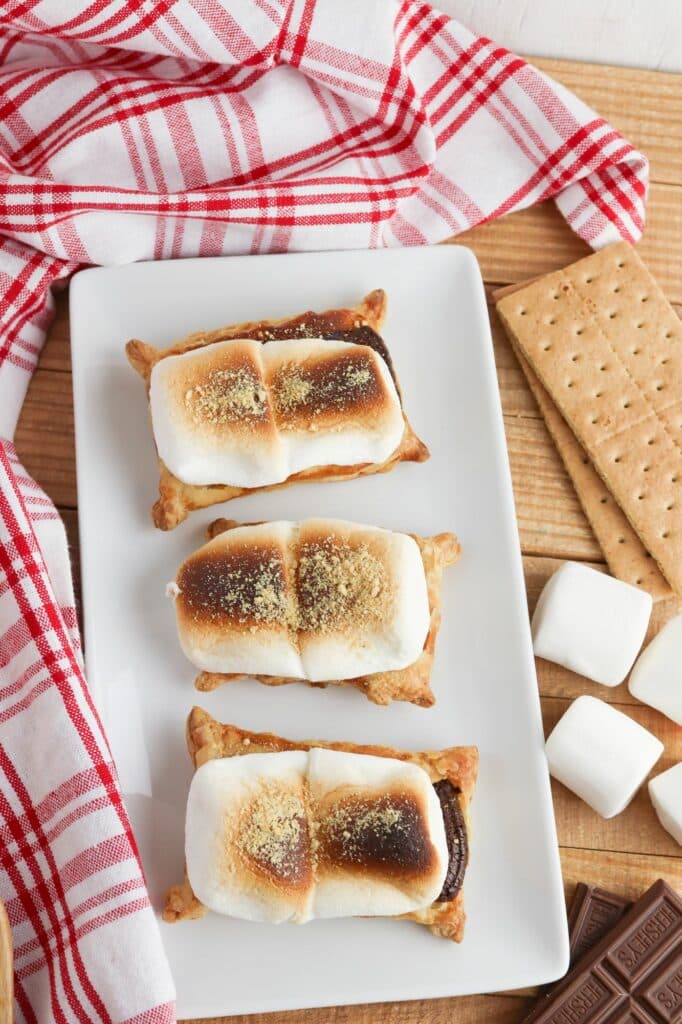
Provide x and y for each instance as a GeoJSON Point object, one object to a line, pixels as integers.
{"type": "Point", "coordinates": [456, 838]}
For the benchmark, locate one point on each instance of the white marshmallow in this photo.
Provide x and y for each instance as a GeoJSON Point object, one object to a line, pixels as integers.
{"type": "Point", "coordinates": [359, 440]}
{"type": "Point", "coordinates": [390, 644]}
{"type": "Point", "coordinates": [202, 455]}
{"type": "Point", "coordinates": [601, 754]}
{"type": "Point", "coordinates": [339, 894]}
{"type": "Point", "coordinates": [387, 646]}
{"type": "Point", "coordinates": [219, 789]}
{"type": "Point", "coordinates": [255, 451]}
{"type": "Point", "coordinates": [590, 623]}
{"type": "Point", "coordinates": [666, 796]}
{"type": "Point", "coordinates": [220, 808]}
{"type": "Point", "coordinates": [656, 678]}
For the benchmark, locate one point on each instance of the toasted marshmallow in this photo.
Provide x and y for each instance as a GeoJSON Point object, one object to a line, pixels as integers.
{"type": "Point", "coordinates": [297, 835]}
{"type": "Point", "coordinates": [335, 403]}
{"type": "Point", "coordinates": [249, 414]}
{"type": "Point", "coordinates": [232, 603]}
{"type": "Point", "coordinates": [212, 418]}
{"type": "Point", "coordinates": [247, 843]}
{"type": "Point", "coordinates": [319, 600]}
{"type": "Point", "coordinates": [381, 844]}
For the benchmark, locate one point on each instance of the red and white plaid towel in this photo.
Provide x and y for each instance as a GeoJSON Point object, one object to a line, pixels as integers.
{"type": "Point", "coordinates": [133, 131]}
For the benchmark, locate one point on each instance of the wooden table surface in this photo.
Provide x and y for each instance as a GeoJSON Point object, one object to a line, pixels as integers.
{"type": "Point", "coordinates": [632, 850]}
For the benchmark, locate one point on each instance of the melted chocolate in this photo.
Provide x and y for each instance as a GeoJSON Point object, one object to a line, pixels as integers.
{"type": "Point", "coordinates": [456, 838]}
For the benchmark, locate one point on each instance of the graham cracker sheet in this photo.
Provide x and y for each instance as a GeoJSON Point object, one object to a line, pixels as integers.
{"type": "Point", "coordinates": [626, 556]}
{"type": "Point", "coordinates": [606, 345]}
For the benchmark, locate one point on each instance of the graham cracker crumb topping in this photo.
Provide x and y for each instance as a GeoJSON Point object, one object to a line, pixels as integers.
{"type": "Point", "coordinates": [273, 828]}
{"type": "Point", "coordinates": [226, 396]}
{"type": "Point", "coordinates": [248, 590]}
{"type": "Point", "coordinates": [339, 585]}
{"type": "Point", "coordinates": [335, 383]}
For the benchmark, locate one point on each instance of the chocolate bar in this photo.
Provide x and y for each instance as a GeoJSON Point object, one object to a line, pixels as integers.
{"type": "Point", "coordinates": [593, 913]}
{"type": "Point", "coordinates": [633, 974]}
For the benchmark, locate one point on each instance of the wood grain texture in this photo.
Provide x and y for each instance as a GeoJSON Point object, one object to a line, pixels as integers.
{"type": "Point", "coordinates": [6, 969]}
{"type": "Point", "coordinates": [631, 851]}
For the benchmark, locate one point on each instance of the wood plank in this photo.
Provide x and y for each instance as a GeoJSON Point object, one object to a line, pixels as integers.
{"type": "Point", "coordinates": [502, 1009]}
{"type": "Point", "coordinates": [628, 874]}
{"type": "Point", "coordinates": [550, 519]}
{"type": "Point", "coordinates": [44, 437]}
{"type": "Point", "coordinates": [538, 240]}
{"type": "Point", "coordinates": [646, 106]}
{"type": "Point", "coordinates": [56, 354]}
{"type": "Point", "coordinates": [637, 829]}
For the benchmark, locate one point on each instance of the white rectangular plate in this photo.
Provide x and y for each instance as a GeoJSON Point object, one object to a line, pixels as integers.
{"type": "Point", "coordinates": [438, 333]}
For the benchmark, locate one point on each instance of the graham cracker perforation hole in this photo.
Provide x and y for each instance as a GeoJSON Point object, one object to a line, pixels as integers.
{"type": "Point", "coordinates": [621, 264]}
{"type": "Point", "coordinates": [602, 501]}
{"type": "Point", "coordinates": [621, 540]}
{"type": "Point", "coordinates": [612, 316]}
{"type": "Point", "coordinates": [644, 298]}
{"type": "Point", "coordinates": [546, 348]}
{"type": "Point", "coordinates": [665, 535]}
{"type": "Point", "coordinates": [635, 351]}
{"type": "Point", "coordinates": [659, 387]}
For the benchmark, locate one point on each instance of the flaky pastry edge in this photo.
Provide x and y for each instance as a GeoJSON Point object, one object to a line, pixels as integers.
{"type": "Point", "coordinates": [177, 499]}
{"type": "Point", "coordinates": [208, 739]}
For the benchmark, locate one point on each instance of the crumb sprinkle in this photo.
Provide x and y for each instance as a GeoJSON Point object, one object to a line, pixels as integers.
{"type": "Point", "coordinates": [339, 585]}
{"type": "Point", "coordinates": [273, 827]}
{"type": "Point", "coordinates": [332, 384]}
{"type": "Point", "coordinates": [227, 395]}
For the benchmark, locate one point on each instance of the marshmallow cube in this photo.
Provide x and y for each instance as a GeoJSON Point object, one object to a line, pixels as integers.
{"type": "Point", "coordinates": [657, 676]}
{"type": "Point", "coordinates": [590, 623]}
{"type": "Point", "coordinates": [601, 754]}
{"type": "Point", "coordinates": [666, 796]}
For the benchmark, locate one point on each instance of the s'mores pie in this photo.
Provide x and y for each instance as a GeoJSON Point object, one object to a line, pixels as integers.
{"type": "Point", "coordinates": [279, 830]}
{"type": "Point", "coordinates": [320, 601]}
{"type": "Point", "coordinates": [263, 404]}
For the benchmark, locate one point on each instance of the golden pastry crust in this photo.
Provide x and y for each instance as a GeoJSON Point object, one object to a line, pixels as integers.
{"type": "Point", "coordinates": [412, 683]}
{"type": "Point", "coordinates": [177, 499]}
{"type": "Point", "coordinates": [208, 739]}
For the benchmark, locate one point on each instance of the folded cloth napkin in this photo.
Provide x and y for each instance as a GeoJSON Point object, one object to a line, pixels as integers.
{"type": "Point", "coordinates": [134, 131]}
